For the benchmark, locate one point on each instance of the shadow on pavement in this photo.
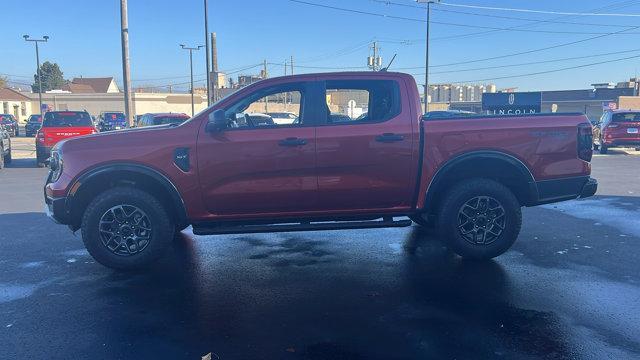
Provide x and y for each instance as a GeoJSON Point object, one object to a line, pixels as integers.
{"type": "Point", "coordinates": [23, 163]}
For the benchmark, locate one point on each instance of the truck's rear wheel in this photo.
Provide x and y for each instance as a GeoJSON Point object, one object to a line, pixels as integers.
{"type": "Point", "coordinates": [603, 149]}
{"type": "Point", "coordinates": [480, 219]}
{"type": "Point", "coordinates": [126, 228]}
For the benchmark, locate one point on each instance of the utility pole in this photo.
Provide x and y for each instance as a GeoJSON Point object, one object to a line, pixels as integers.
{"type": "Point", "coordinates": [191, 49]}
{"type": "Point", "coordinates": [291, 64]}
{"type": "Point", "coordinates": [374, 62]}
{"type": "Point", "coordinates": [206, 38]}
{"type": "Point", "coordinates": [426, 62]}
{"type": "Point", "coordinates": [285, 68]}
{"type": "Point", "coordinates": [126, 71]}
{"type": "Point", "coordinates": [36, 41]}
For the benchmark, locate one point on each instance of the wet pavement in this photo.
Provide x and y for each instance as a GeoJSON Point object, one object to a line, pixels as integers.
{"type": "Point", "coordinates": [569, 288]}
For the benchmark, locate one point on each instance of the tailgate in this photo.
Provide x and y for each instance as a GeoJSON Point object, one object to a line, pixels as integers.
{"type": "Point", "coordinates": [627, 130]}
{"type": "Point", "coordinates": [52, 135]}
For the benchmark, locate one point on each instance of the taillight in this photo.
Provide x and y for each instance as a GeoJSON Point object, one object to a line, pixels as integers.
{"type": "Point", "coordinates": [40, 136]}
{"type": "Point", "coordinates": [585, 141]}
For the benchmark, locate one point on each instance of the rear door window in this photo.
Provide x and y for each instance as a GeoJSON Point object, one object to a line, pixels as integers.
{"type": "Point", "coordinates": [67, 119]}
{"type": "Point", "coordinates": [361, 101]}
{"type": "Point", "coordinates": [114, 117]}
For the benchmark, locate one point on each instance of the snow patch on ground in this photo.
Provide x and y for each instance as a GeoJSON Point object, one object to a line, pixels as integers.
{"type": "Point", "coordinates": [79, 252]}
{"type": "Point", "coordinates": [605, 211]}
{"type": "Point", "coordinates": [10, 292]}
{"type": "Point", "coordinates": [32, 264]}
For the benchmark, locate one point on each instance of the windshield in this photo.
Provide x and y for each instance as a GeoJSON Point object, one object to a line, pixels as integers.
{"type": "Point", "coordinates": [163, 120]}
{"type": "Point", "coordinates": [114, 117]}
{"type": "Point", "coordinates": [626, 117]}
{"type": "Point", "coordinates": [67, 119]}
{"type": "Point", "coordinates": [6, 119]}
{"type": "Point", "coordinates": [35, 118]}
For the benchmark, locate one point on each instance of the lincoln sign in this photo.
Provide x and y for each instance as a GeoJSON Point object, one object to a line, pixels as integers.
{"type": "Point", "coordinates": [511, 103]}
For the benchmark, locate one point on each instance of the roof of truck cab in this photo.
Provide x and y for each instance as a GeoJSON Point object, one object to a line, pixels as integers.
{"type": "Point", "coordinates": [366, 74]}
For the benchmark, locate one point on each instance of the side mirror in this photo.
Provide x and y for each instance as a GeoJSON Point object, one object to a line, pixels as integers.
{"type": "Point", "coordinates": [217, 121]}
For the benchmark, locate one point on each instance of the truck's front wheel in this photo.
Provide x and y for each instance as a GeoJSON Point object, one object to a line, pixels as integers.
{"type": "Point", "coordinates": [480, 219]}
{"type": "Point", "coordinates": [126, 228]}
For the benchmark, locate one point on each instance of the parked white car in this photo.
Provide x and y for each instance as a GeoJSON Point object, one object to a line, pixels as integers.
{"type": "Point", "coordinates": [283, 118]}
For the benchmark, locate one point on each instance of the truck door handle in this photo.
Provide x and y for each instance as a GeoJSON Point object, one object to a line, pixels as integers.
{"type": "Point", "coordinates": [292, 141]}
{"type": "Point", "coordinates": [389, 137]}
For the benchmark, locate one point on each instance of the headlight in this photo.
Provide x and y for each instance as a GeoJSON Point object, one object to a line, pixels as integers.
{"type": "Point", "coordinates": [55, 165]}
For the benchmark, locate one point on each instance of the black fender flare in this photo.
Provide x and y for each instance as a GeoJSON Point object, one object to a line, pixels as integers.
{"type": "Point", "coordinates": [442, 173]}
{"type": "Point", "coordinates": [163, 180]}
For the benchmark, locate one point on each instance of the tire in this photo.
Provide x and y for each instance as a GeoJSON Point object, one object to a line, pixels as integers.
{"type": "Point", "coordinates": [8, 158]}
{"type": "Point", "coordinates": [420, 220]}
{"type": "Point", "coordinates": [159, 222]}
{"type": "Point", "coordinates": [490, 245]}
{"type": "Point", "coordinates": [39, 160]}
{"type": "Point", "coordinates": [1, 158]}
{"type": "Point", "coordinates": [603, 149]}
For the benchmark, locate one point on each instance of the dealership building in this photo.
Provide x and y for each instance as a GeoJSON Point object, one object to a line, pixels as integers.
{"type": "Point", "coordinates": [591, 102]}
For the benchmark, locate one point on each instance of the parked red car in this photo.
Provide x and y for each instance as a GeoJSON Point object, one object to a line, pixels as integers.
{"type": "Point", "coordinates": [338, 167]}
{"type": "Point", "coordinates": [60, 125]}
{"type": "Point", "coordinates": [619, 128]}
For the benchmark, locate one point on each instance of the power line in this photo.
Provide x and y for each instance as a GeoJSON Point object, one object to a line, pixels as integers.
{"type": "Point", "coordinates": [546, 71]}
{"type": "Point", "coordinates": [537, 22]}
{"type": "Point", "coordinates": [404, 18]}
{"type": "Point", "coordinates": [322, 67]}
{"type": "Point", "coordinates": [538, 11]}
{"type": "Point", "coordinates": [392, 3]}
{"type": "Point", "coordinates": [536, 50]}
{"type": "Point", "coordinates": [519, 64]}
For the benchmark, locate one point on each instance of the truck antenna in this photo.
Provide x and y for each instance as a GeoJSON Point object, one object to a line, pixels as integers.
{"type": "Point", "coordinates": [389, 65]}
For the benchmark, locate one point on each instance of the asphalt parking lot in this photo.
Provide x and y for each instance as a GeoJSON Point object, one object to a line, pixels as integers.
{"type": "Point", "coordinates": [569, 288]}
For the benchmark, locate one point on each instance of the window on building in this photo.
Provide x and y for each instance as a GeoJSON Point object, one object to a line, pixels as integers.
{"type": "Point", "coordinates": [23, 108]}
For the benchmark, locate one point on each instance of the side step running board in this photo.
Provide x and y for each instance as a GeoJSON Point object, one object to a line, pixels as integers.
{"type": "Point", "coordinates": [309, 226]}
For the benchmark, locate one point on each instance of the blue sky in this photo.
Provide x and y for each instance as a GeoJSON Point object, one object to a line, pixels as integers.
{"type": "Point", "coordinates": [85, 39]}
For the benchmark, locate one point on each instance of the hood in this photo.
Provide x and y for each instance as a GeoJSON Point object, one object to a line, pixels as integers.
{"type": "Point", "coordinates": [128, 138]}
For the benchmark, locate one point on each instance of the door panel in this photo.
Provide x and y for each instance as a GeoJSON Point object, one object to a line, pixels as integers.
{"type": "Point", "coordinates": [250, 172]}
{"type": "Point", "coordinates": [367, 166]}
{"type": "Point", "coordinates": [257, 167]}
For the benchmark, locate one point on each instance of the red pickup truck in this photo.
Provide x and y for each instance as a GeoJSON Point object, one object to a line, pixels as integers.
{"type": "Point", "coordinates": [60, 125]}
{"type": "Point", "coordinates": [358, 154]}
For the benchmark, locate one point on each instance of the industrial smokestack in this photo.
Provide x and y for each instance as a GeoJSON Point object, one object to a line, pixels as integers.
{"type": "Point", "coordinates": [214, 60]}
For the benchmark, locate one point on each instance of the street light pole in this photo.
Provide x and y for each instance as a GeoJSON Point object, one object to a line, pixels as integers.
{"type": "Point", "coordinates": [126, 69]}
{"type": "Point", "coordinates": [36, 41]}
{"type": "Point", "coordinates": [426, 62]}
{"type": "Point", "coordinates": [191, 49]}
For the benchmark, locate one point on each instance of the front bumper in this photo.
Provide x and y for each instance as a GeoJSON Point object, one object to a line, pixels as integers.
{"type": "Point", "coordinates": [56, 207]}
{"type": "Point", "coordinates": [549, 191]}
